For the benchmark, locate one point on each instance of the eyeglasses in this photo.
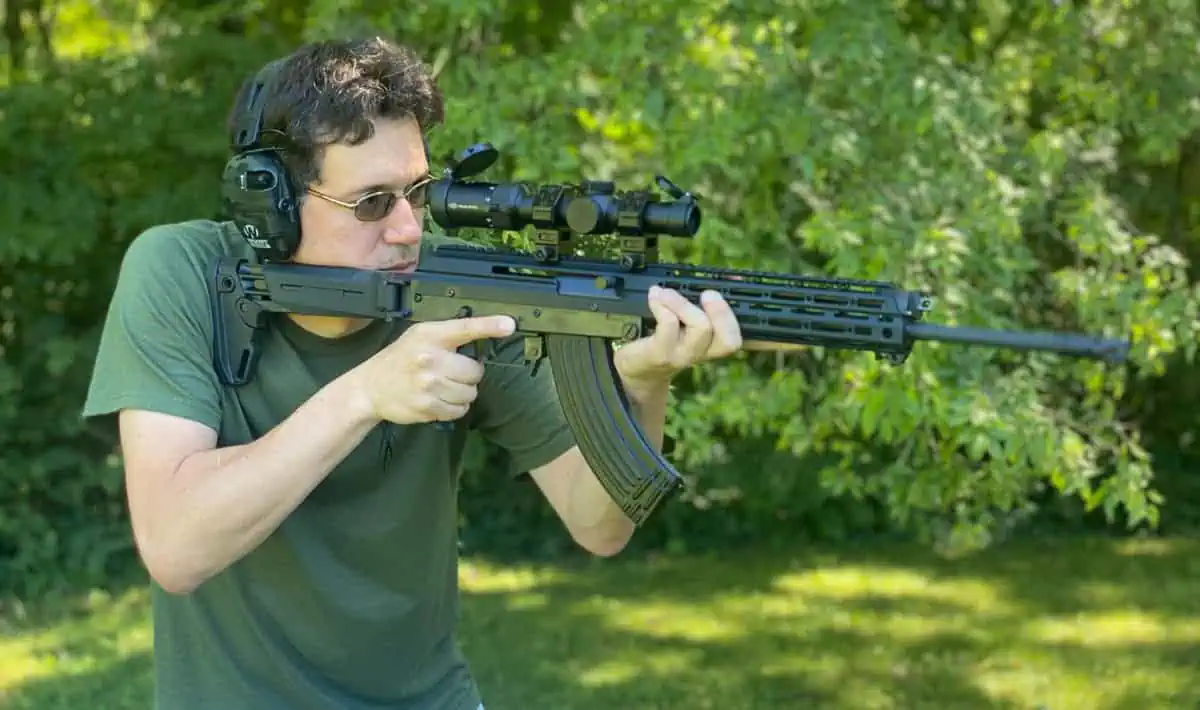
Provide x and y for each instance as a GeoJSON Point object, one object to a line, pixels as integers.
{"type": "Point", "coordinates": [374, 206]}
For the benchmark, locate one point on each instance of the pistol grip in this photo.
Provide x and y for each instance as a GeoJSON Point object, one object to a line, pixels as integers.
{"type": "Point", "coordinates": [480, 351]}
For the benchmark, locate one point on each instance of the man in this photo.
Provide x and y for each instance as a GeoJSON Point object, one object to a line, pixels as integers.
{"type": "Point", "coordinates": [300, 529]}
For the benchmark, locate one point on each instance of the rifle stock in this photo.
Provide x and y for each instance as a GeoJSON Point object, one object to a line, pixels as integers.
{"type": "Point", "coordinates": [570, 309]}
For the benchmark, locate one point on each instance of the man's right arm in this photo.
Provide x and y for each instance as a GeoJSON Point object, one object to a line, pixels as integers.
{"type": "Point", "coordinates": [195, 509]}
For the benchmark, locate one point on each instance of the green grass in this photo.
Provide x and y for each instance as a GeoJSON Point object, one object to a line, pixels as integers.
{"type": "Point", "coordinates": [1065, 625]}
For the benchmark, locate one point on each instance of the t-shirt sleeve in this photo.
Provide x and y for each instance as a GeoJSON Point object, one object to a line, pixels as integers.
{"type": "Point", "coordinates": [155, 349]}
{"type": "Point", "coordinates": [520, 412]}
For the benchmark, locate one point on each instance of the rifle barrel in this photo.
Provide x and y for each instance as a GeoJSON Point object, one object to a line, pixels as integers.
{"type": "Point", "coordinates": [1067, 343]}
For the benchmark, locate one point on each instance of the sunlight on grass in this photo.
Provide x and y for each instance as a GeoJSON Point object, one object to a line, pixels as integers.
{"type": "Point", "coordinates": [109, 630]}
{"type": "Point", "coordinates": [633, 670]}
{"type": "Point", "coordinates": [483, 577]}
{"type": "Point", "coordinates": [709, 623]}
{"type": "Point", "coordinates": [1114, 628]}
{"type": "Point", "coordinates": [1069, 624]}
{"type": "Point", "coordinates": [879, 582]}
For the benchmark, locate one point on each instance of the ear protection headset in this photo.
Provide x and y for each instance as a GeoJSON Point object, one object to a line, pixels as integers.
{"type": "Point", "coordinates": [257, 192]}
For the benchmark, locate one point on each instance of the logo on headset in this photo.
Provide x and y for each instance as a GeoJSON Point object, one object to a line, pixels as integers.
{"type": "Point", "coordinates": [250, 232]}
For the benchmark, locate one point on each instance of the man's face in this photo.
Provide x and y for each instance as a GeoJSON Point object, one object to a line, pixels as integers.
{"type": "Point", "coordinates": [392, 159]}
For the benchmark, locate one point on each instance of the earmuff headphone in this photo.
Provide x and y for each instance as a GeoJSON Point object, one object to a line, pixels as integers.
{"type": "Point", "coordinates": [257, 192]}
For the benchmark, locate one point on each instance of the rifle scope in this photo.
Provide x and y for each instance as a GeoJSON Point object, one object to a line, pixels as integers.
{"type": "Point", "coordinates": [592, 207]}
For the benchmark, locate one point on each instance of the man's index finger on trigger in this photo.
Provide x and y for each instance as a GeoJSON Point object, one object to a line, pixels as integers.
{"type": "Point", "coordinates": [461, 331]}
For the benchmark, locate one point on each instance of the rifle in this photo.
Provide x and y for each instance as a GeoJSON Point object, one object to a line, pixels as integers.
{"type": "Point", "coordinates": [570, 309]}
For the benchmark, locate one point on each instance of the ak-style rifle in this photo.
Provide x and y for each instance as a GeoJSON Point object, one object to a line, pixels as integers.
{"type": "Point", "coordinates": [571, 309]}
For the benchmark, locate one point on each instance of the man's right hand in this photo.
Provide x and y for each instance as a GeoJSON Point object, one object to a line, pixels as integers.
{"type": "Point", "coordinates": [421, 377]}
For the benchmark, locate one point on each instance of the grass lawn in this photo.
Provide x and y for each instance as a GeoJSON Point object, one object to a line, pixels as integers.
{"type": "Point", "coordinates": [1063, 625]}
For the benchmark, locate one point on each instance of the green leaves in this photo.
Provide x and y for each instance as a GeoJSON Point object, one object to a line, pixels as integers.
{"type": "Point", "coordinates": [1027, 164]}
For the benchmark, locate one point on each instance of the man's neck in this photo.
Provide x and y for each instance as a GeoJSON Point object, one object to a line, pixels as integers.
{"type": "Point", "coordinates": [329, 326]}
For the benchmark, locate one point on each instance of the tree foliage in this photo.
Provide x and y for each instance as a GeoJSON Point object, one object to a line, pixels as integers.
{"type": "Point", "coordinates": [1026, 163]}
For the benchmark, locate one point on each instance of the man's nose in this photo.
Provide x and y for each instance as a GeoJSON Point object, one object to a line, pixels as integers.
{"type": "Point", "coordinates": [404, 224]}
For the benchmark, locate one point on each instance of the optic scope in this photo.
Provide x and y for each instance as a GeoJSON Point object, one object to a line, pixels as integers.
{"type": "Point", "coordinates": [591, 207]}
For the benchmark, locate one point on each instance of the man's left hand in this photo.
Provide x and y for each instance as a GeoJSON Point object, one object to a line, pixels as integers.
{"type": "Point", "coordinates": [684, 335]}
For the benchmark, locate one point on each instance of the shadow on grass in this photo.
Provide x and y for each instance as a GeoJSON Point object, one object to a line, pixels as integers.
{"type": "Point", "coordinates": [1065, 623]}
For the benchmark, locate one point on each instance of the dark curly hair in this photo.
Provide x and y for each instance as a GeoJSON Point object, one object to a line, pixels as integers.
{"type": "Point", "coordinates": [330, 91]}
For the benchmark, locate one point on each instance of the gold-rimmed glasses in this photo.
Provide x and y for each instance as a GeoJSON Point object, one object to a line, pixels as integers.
{"type": "Point", "coordinates": [374, 206]}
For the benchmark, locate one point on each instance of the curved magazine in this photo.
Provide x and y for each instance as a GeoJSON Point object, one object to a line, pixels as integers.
{"type": "Point", "coordinates": [633, 472]}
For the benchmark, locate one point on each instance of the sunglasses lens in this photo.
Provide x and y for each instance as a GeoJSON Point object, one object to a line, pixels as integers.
{"type": "Point", "coordinates": [375, 207]}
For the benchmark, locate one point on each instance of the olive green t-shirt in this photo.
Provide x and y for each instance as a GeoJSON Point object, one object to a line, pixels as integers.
{"type": "Point", "coordinates": [352, 602]}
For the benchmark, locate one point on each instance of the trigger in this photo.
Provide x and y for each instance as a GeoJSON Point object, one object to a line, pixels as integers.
{"type": "Point", "coordinates": [483, 351]}
{"type": "Point", "coordinates": [471, 350]}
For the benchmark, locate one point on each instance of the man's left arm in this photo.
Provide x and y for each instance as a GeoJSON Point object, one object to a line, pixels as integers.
{"type": "Point", "coordinates": [685, 335]}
